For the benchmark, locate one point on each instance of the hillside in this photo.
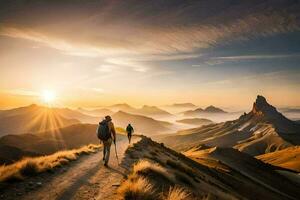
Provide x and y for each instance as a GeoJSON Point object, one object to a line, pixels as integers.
{"type": "Point", "coordinates": [287, 158]}
{"type": "Point", "coordinates": [157, 172]}
{"type": "Point", "coordinates": [260, 131]}
{"type": "Point", "coordinates": [195, 121]}
{"type": "Point", "coordinates": [33, 118]}
{"type": "Point", "coordinates": [48, 142]}
{"type": "Point", "coordinates": [76, 174]}
{"type": "Point", "coordinates": [141, 124]}
{"type": "Point", "coordinates": [10, 154]}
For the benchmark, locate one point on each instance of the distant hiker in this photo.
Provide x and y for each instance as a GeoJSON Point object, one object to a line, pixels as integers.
{"type": "Point", "coordinates": [129, 131]}
{"type": "Point", "coordinates": [106, 133]}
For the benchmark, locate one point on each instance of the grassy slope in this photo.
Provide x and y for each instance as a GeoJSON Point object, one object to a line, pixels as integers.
{"type": "Point", "coordinates": [287, 158]}
{"type": "Point", "coordinates": [32, 166]}
{"type": "Point", "coordinates": [155, 171]}
{"type": "Point", "coordinates": [49, 142]}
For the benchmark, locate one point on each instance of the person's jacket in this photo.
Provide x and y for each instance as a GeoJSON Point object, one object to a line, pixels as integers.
{"type": "Point", "coordinates": [129, 129]}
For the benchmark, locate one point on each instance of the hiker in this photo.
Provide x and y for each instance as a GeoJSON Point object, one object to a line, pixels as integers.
{"type": "Point", "coordinates": [129, 131]}
{"type": "Point", "coordinates": [107, 134]}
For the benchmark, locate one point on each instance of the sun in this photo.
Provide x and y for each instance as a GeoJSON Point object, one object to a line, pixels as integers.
{"type": "Point", "coordinates": [48, 96]}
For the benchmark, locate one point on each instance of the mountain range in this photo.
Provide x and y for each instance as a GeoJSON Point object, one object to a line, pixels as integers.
{"type": "Point", "coordinates": [209, 109]}
{"type": "Point", "coordinates": [150, 111]}
{"type": "Point", "coordinates": [260, 131]}
{"type": "Point", "coordinates": [183, 105]}
{"type": "Point", "coordinates": [33, 118]}
{"type": "Point", "coordinates": [100, 112]}
{"type": "Point", "coordinates": [141, 124]}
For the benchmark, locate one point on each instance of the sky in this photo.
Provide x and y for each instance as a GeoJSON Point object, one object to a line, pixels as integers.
{"type": "Point", "coordinates": [93, 53]}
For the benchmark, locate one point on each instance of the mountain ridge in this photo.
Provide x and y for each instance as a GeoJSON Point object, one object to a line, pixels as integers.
{"type": "Point", "coordinates": [210, 109]}
{"type": "Point", "coordinates": [260, 131]}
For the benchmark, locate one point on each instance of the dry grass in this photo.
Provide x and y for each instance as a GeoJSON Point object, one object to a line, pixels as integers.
{"type": "Point", "coordinates": [33, 166]}
{"type": "Point", "coordinates": [145, 166]}
{"type": "Point", "coordinates": [121, 131]}
{"type": "Point", "coordinates": [137, 188]}
{"type": "Point", "coordinates": [177, 193]}
{"type": "Point", "coordinates": [141, 184]}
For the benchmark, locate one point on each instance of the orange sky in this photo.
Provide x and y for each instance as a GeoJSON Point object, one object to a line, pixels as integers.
{"type": "Point", "coordinates": [98, 53]}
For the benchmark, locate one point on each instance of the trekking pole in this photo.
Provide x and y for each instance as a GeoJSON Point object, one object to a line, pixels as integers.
{"type": "Point", "coordinates": [116, 153]}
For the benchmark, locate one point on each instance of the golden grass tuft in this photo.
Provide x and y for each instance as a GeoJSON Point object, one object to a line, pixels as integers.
{"type": "Point", "coordinates": [177, 193]}
{"type": "Point", "coordinates": [32, 166]}
{"type": "Point", "coordinates": [121, 131]}
{"type": "Point", "coordinates": [146, 165]}
{"type": "Point", "coordinates": [137, 188]}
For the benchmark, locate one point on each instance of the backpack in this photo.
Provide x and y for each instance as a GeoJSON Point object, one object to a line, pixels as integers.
{"type": "Point", "coordinates": [103, 131]}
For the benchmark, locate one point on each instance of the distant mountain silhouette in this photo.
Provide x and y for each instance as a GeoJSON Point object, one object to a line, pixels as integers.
{"type": "Point", "coordinates": [209, 109]}
{"type": "Point", "coordinates": [101, 112]}
{"type": "Point", "coordinates": [149, 111]}
{"type": "Point", "coordinates": [260, 131]}
{"type": "Point", "coordinates": [213, 109]}
{"type": "Point", "coordinates": [193, 112]}
{"type": "Point", "coordinates": [121, 107]}
{"type": "Point", "coordinates": [31, 119]}
{"type": "Point", "coordinates": [152, 111]}
{"type": "Point", "coordinates": [183, 105]}
{"type": "Point", "coordinates": [195, 121]}
{"type": "Point", "coordinates": [142, 124]}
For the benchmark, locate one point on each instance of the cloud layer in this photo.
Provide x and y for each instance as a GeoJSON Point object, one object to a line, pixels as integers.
{"type": "Point", "coordinates": [106, 49]}
{"type": "Point", "coordinates": [102, 28]}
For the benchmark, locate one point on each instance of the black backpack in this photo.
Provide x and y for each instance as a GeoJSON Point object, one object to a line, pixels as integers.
{"type": "Point", "coordinates": [103, 131]}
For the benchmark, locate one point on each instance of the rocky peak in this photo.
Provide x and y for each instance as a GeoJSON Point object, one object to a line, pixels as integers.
{"type": "Point", "coordinates": [262, 108]}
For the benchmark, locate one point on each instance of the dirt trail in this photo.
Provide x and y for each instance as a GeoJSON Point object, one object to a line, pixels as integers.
{"type": "Point", "coordinates": [88, 179]}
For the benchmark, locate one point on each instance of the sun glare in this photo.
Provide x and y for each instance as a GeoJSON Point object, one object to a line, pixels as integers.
{"type": "Point", "coordinates": [48, 96]}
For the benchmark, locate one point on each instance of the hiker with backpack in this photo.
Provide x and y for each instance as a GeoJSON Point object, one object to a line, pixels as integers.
{"type": "Point", "coordinates": [129, 131]}
{"type": "Point", "coordinates": [107, 134]}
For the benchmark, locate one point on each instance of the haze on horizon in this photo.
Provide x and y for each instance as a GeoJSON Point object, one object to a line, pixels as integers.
{"type": "Point", "coordinates": [93, 53]}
